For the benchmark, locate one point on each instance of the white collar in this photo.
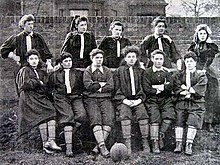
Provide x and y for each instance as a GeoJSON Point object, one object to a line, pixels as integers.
{"type": "Point", "coordinates": [95, 68]}
{"type": "Point", "coordinates": [31, 34]}
{"type": "Point", "coordinates": [156, 69]}
{"type": "Point", "coordinates": [191, 71]}
{"type": "Point", "coordinates": [157, 36]}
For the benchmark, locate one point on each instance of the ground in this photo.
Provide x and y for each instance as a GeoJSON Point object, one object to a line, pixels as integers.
{"type": "Point", "coordinates": [15, 151]}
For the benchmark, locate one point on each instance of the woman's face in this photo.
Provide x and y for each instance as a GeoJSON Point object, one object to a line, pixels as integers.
{"type": "Point", "coordinates": [33, 60]}
{"type": "Point", "coordinates": [116, 31]}
{"type": "Point", "coordinates": [82, 26]}
{"type": "Point", "coordinates": [29, 26]}
{"type": "Point", "coordinates": [131, 58]}
{"type": "Point", "coordinates": [67, 63]}
{"type": "Point", "coordinates": [160, 28]}
{"type": "Point", "coordinates": [190, 63]}
{"type": "Point", "coordinates": [202, 35]}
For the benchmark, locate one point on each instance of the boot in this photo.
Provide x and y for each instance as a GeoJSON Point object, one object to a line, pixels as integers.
{"type": "Point", "coordinates": [146, 147]}
{"type": "Point", "coordinates": [209, 127]}
{"type": "Point", "coordinates": [128, 145]}
{"type": "Point", "coordinates": [51, 133]}
{"type": "Point", "coordinates": [161, 139]}
{"type": "Point", "coordinates": [155, 146]}
{"type": "Point", "coordinates": [164, 127]}
{"type": "Point", "coordinates": [179, 137]}
{"type": "Point", "coordinates": [188, 150]}
{"type": "Point", "coordinates": [178, 148]}
{"type": "Point", "coordinates": [104, 151]}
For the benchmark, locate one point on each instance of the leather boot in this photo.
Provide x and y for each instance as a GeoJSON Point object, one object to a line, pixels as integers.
{"type": "Point", "coordinates": [188, 150]}
{"type": "Point", "coordinates": [161, 139]}
{"type": "Point", "coordinates": [146, 147]}
{"type": "Point", "coordinates": [178, 148]}
{"type": "Point", "coordinates": [128, 145]}
{"type": "Point", "coordinates": [104, 151]}
{"type": "Point", "coordinates": [155, 146]}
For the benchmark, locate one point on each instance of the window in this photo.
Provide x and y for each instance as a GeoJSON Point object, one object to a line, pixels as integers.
{"type": "Point", "coordinates": [82, 12]}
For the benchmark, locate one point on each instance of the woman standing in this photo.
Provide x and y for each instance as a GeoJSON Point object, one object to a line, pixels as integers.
{"type": "Point", "coordinates": [79, 42]}
{"type": "Point", "coordinates": [112, 45]}
{"type": "Point", "coordinates": [206, 50]}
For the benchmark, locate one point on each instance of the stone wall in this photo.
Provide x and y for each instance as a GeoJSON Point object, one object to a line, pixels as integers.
{"type": "Point", "coordinates": [54, 29]}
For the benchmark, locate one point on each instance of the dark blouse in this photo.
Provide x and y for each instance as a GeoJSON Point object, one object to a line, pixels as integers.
{"type": "Point", "coordinates": [109, 46]}
{"type": "Point", "coordinates": [72, 44]}
{"type": "Point", "coordinates": [18, 43]}
{"type": "Point", "coordinates": [150, 43]}
{"type": "Point", "coordinates": [205, 52]}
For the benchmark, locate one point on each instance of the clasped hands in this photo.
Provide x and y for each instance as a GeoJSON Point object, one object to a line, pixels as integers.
{"type": "Point", "coordinates": [187, 91]}
{"type": "Point", "coordinates": [102, 84]}
{"type": "Point", "coordinates": [132, 103]}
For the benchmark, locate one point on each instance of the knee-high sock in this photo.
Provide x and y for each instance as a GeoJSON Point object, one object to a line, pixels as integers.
{"type": "Point", "coordinates": [165, 125]}
{"type": "Point", "coordinates": [144, 128]}
{"type": "Point", "coordinates": [126, 128]}
{"type": "Point", "coordinates": [106, 131]}
{"type": "Point", "coordinates": [68, 135]}
{"type": "Point", "coordinates": [51, 129]}
{"type": "Point", "coordinates": [191, 134]}
{"type": "Point", "coordinates": [43, 133]}
{"type": "Point", "coordinates": [154, 131]}
{"type": "Point", "coordinates": [98, 133]}
{"type": "Point", "coordinates": [179, 134]}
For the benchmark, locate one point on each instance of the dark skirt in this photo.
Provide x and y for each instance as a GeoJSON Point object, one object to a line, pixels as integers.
{"type": "Point", "coordinates": [34, 109]}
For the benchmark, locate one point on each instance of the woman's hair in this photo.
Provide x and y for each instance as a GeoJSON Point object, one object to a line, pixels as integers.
{"type": "Point", "coordinates": [24, 19]}
{"type": "Point", "coordinates": [190, 54]}
{"type": "Point", "coordinates": [76, 20]}
{"type": "Point", "coordinates": [63, 56]}
{"type": "Point", "coordinates": [129, 49]}
{"type": "Point", "coordinates": [159, 19]}
{"type": "Point", "coordinates": [202, 27]}
{"type": "Point", "coordinates": [157, 51]}
{"type": "Point", "coordinates": [116, 22]}
{"type": "Point", "coordinates": [94, 52]}
{"type": "Point", "coordinates": [32, 52]}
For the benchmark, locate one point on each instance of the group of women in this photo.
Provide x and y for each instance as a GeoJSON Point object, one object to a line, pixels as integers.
{"type": "Point", "coordinates": [79, 43]}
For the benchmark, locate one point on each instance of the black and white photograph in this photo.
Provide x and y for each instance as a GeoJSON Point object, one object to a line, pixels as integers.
{"type": "Point", "coordinates": [109, 82]}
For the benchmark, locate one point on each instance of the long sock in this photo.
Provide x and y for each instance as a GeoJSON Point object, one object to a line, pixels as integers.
{"type": "Point", "coordinates": [43, 132]}
{"type": "Point", "coordinates": [191, 134]}
{"type": "Point", "coordinates": [144, 128]}
{"type": "Point", "coordinates": [179, 134]}
{"type": "Point", "coordinates": [165, 125]}
{"type": "Point", "coordinates": [98, 133]}
{"type": "Point", "coordinates": [51, 129]}
{"type": "Point", "coordinates": [154, 131]}
{"type": "Point", "coordinates": [126, 128]}
{"type": "Point", "coordinates": [68, 135]}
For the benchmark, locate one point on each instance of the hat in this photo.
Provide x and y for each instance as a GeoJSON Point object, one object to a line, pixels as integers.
{"type": "Point", "coordinates": [159, 19]}
{"type": "Point", "coordinates": [129, 49]}
{"type": "Point", "coordinates": [95, 51]}
{"type": "Point", "coordinates": [25, 19]}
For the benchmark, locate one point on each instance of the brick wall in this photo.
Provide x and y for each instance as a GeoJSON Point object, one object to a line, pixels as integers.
{"type": "Point", "coordinates": [54, 30]}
